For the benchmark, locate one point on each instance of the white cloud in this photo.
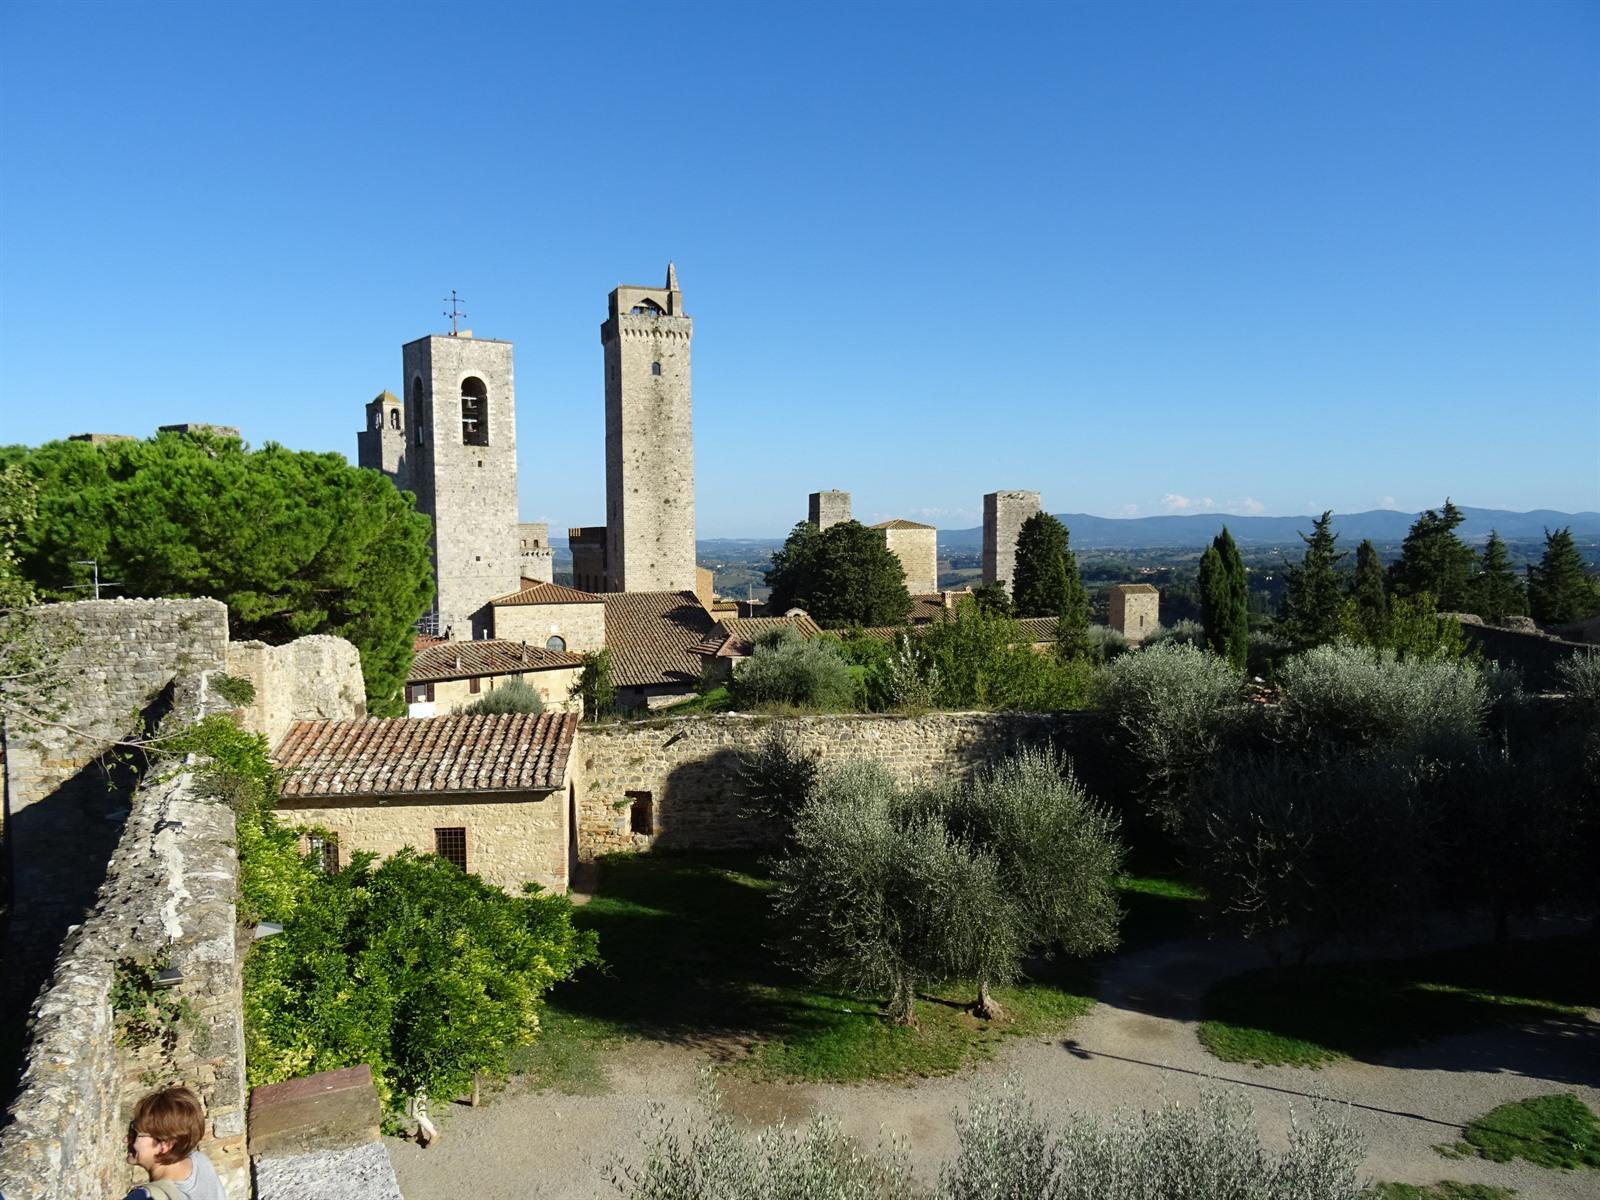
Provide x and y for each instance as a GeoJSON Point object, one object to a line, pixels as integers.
{"type": "Point", "coordinates": [1386, 502]}
{"type": "Point", "coordinates": [1130, 510]}
{"type": "Point", "coordinates": [1175, 503]}
{"type": "Point", "coordinates": [1248, 505]}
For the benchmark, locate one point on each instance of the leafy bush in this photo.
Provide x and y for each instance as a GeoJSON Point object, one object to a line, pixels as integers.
{"type": "Point", "coordinates": [1580, 678]}
{"type": "Point", "coordinates": [1007, 1151]}
{"type": "Point", "coordinates": [1102, 643]}
{"type": "Point", "coordinates": [513, 697]}
{"type": "Point", "coordinates": [788, 669]}
{"type": "Point", "coordinates": [982, 659]}
{"type": "Point", "coordinates": [425, 972]}
{"type": "Point", "coordinates": [593, 687]}
{"type": "Point", "coordinates": [1173, 705]}
{"type": "Point", "coordinates": [1184, 633]}
{"type": "Point", "coordinates": [1344, 697]}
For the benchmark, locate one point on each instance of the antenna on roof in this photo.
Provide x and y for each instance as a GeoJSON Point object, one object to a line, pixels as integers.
{"type": "Point", "coordinates": [98, 582]}
{"type": "Point", "coordinates": [455, 314]}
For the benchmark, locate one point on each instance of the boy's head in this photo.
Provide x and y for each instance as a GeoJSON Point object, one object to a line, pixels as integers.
{"type": "Point", "coordinates": [167, 1126]}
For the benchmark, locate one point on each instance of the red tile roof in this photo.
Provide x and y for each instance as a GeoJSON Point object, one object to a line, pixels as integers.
{"type": "Point", "coordinates": [650, 635]}
{"type": "Point", "coordinates": [511, 752]}
{"type": "Point", "coordinates": [548, 593]}
{"type": "Point", "coordinates": [468, 660]}
{"type": "Point", "coordinates": [900, 523]}
{"type": "Point", "coordinates": [735, 637]}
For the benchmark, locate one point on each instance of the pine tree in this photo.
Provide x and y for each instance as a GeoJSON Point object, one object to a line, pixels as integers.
{"type": "Point", "coordinates": [1434, 560]}
{"type": "Point", "coordinates": [1560, 588]}
{"type": "Point", "coordinates": [1496, 592]}
{"type": "Point", "coordinates": [1368, 597]}
{"type": "Point", "coordinates": [1225, 600]}
{"type": "Point", "coordinates": [1313, 598]}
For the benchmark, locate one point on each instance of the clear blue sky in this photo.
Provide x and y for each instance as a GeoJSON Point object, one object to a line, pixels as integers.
{"type": "Point", "coordinates": [1141, 257]}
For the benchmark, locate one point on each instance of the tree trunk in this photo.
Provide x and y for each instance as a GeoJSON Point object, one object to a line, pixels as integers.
{"type": "Point", "coordinates": [987, 1007]}
{"type": "Point", "coordinates": [902, 1001]}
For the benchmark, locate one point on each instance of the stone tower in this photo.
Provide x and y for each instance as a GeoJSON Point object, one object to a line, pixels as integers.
{"type": "Point", "coordinates": [460, 425]}
{"type": "Point", "coordinates": [828, 508]}
{"type": "Point", "coordinates": [382, 444]}
{"type": "Point", "coordinates": [1003, 515]}
{"type": "Point", "coordinates": [649, 440]}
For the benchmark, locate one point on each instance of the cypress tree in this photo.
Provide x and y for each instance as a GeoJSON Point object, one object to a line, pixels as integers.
{"type": "Point", "coordinates": [1496, 592]}
{"type": "Point", "coordinates": [1313, 599]}
{"type": "Point", "coordinates": [1368, 596]}
{"type": "Point", "coordinates": [1040, 587]}
{"type": "Point", "coordinates": [1560, 588]}
{"type": "Point", "coordinates": [1225, 600]}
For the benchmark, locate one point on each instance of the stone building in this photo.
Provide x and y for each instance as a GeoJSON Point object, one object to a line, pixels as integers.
{"type": "Point", "coordinates": [489, 793]}
{"type": "Point", "coordinates": [917, 548]}
{"type": "Point", "coordinates": [652, 636]}
{"type": "Point", "coordinates": [538, 559]}
{"type": "Point", "coordinates": [827, 508]}
{"type": "Point", "coordinates": [1135, 610]}
{"type": "Point", "coordinates": [552, 616]}
{"type": "Point", "coordinates": [1003, 516]}
{"type": "Point", "coordinates": [445, 677]}
{"type": "Point", "coordinates": [453, 442]}
{"type": "Point", "coordinates": [649, 440]}
{"type": "Point", "coordinates": [588, 544]}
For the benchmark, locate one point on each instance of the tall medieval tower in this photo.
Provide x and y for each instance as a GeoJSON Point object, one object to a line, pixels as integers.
{"type": "Point", "coordinates": [458, 452]}
{"type": "Point", "coordinates": [649, 440]}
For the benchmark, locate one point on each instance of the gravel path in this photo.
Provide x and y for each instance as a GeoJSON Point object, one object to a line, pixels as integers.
{"type": "Point", "coordinates": [1136, 1048]}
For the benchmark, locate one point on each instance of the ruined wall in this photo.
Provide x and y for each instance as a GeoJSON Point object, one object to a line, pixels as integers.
{"type": "Point", "coordinates": [515, 838]}
{"type": "Point", "coordinates": [1535, 654]}
{"type": "Point", "coordinates": [168, 898]}
{"type": "Point", "coordinates": [309, 679]}
{"type": "Point", "coordinates": [689, 765]}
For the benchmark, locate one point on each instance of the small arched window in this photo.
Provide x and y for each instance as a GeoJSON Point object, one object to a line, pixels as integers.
{"type": "Point", "coordinates": [655, 368]}
{"type": "Point", "coordinates": [646, 308]}
{"type": "Point", "coordinates": [474, 412]}
{"type": "Point", "coordinates": [394, 418]}
{"type": "Point", "coordinates": [416, 409]}
{"type": "Point", "coordinates": [556, 642]}
{"type": "Point", "coordinates": [377, 419]}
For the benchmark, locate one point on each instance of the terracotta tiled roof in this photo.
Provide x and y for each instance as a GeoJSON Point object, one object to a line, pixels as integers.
{"type": "Point", "coordinates": [650, 634]}
{"type": "Point", "coordinates": [1137, 589]}
{"type": "Point", "coordinates": [425, 639]}
{"type": "Point", "coordinates": [900, 523]}
{"type": "Point", "coordinates": [548, 593]}
{"type": "Point", "coordinates": [467, 660]}
{"type": "Point", "coordinates": [511, 752]}
{"type": "Point", "coordinates": [734, 637]}
{"type": "Point", "coordinates": [1039, 629]}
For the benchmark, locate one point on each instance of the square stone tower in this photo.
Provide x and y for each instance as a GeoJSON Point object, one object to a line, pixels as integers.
{"type": "Point", "coordinates": [462, 463]}
{"type": "Point", "coordinates": [649, 440]}
{"type": "Point", "coordinates": [1135, 610]}
{"type": "Point", "coordinates": [1003, 515]}
{"type": "Point", "coordinates": [917, 547]}
{"type": "Point", "coordinates": [828, 508]}
{"type": "Point", "coordinates": [381, 446]}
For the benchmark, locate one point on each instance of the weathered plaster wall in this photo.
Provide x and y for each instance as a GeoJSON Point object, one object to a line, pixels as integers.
{"type": "Point", "coordinates": [309, 679]}
{"type": "Point", "coordinates": [168, 896]}
{"type": "Point", "coordinates": [515, 838]}
{"type": "Point", "coordinates": [689, 765]}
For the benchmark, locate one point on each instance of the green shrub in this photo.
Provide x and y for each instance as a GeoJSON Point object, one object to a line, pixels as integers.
{"type": "Point", "coordinates": [513, 697]}
{"type": "Point", "coordinates": [789, 670]}
{"type": "Point", "coordinates": [1173, 705]}
{"type": "Point", "coordinates": [1343, 697]}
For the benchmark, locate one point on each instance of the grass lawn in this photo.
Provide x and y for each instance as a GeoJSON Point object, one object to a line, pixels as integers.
{"type": "Point", "coordinates": [1311, 1015]}
{"type": "Point", "coordinates": [1156, 909]}
{"type": "Point", "coordinates": [714, 701]}
{"type": "Point", "coordinates": [1549, 1131]}
{"type": "Point", "coordinates": [1448, 1189]}
{"type": "Point", "coordinates": [688, 959]}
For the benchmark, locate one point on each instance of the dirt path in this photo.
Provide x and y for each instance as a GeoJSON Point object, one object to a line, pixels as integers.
{"type": "Point", "coordinates": [1136, 1048]}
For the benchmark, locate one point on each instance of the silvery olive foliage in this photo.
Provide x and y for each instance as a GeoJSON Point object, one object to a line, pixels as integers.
{"type": "Point", "coordinates": [1005, 1151]}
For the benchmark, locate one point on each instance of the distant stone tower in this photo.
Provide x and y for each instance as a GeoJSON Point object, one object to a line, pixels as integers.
{"type": "Point", "coordinates": [828, 508]}
{"type": "Point", "coordinates": [460, 426]}
{"type": "Point", "coordinates": [649, 440]}
{"type": "Point", "coordinates": [1135, 610]}
{"type": "Point", "coordinates": [382, 444]}
{"type": "Point", "coordinates": [1003, 515]}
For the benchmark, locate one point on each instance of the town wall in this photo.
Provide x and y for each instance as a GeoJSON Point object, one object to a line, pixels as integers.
{"type": "Point", "coordinates": [689, 766]}
{"type": "Point", "coordinates": [167, 900]}
{"type": "Point", "coordinates": [515, 838]}
{"type": "Point", "coordinates": [1003, 516]}
{"type": "Point", "coordinates": [310, 679]}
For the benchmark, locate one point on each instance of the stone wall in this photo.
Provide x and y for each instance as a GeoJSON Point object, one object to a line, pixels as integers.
{"type": "Point", "coordinates": [168, 900]}
{"type": "Point", "coordinates": [512, 839]}
{"type": "Point", "coordinates": [918, 552]}
{"type": "Point", "coordinates": [310, 679]}
{"type": "Point", "coordinates": [66, 789]}
{"type": "Point", "coordinates": [1535, 654]}
{"type": "Point", "coordinates": [1003, 517]}
{"type": "Point", "coordinates": [581, 626]}
{"type": "Point", "coordinates": [554, 687]}
{"type": "Point", "coordinates": [688, 766]}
